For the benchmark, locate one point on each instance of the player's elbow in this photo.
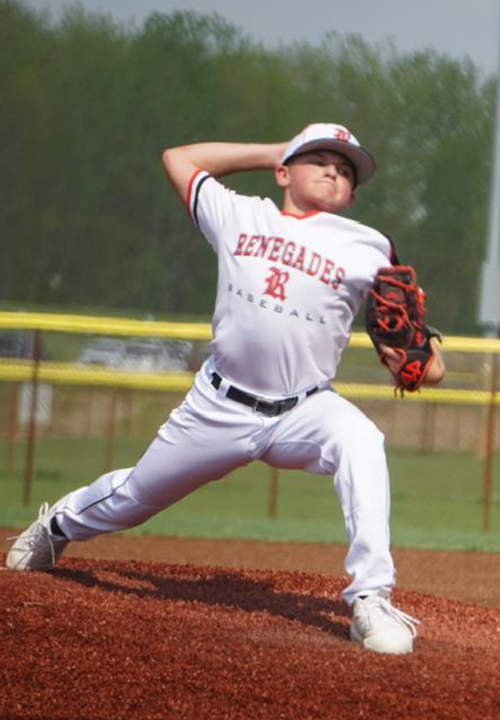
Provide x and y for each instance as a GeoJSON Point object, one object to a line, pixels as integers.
{"type": "Point", "coordinates": [169, 159]}
{"type": "Point", "coordinates": [176, 160]}
{"type": "Point", "coordinates": [179, 169]}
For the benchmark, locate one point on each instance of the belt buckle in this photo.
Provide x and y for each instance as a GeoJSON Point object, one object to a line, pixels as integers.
{"type": "Point", "coordinates": [263, 406]}
{"type": "Point", "coordinates": [273, 409]}
{"type": "Point", "coordinates": [255, 406]}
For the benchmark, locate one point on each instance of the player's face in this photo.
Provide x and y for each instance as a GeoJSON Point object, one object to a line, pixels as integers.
{"type": "Point", "coordinates": [317, 180]}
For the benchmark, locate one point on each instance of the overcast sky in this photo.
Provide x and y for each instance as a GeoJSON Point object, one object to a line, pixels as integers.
{"type": "Point", "coordinates": [455, 27]}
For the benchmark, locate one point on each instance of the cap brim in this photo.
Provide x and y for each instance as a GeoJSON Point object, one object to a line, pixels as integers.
{"type": "Point", "coordinates": [363, 162]}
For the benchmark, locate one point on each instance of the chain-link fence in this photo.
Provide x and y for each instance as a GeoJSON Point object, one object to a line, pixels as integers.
{"type": "Point", "coordinates": [75, 387]}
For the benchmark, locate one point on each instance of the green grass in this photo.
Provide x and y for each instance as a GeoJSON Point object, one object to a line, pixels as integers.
{"type": "Point", "coordinates": [436, 499]}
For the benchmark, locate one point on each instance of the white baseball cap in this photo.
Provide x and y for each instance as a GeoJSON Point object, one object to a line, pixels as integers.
{"type": "Point", "coordinates": [332, 137]}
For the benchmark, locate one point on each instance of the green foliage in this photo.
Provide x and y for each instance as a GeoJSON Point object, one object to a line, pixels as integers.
{"type": "Point", "coordinates": [88, 106]}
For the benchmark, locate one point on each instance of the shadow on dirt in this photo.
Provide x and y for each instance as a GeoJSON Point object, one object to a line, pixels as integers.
{"type": "Point", "coordinates": [215, 587]}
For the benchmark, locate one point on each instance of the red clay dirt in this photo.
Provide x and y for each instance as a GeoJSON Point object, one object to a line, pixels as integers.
{"type": "Point", "coordinates": [123, 639]}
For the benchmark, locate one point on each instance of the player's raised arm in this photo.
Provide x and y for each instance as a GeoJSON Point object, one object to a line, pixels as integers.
{"type": "Point", "coordinates": [218, 159]}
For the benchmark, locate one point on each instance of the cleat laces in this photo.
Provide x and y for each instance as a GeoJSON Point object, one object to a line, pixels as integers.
{"type": "Point", "coordinates": [385, 606]}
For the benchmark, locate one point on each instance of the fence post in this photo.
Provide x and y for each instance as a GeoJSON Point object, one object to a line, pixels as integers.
{"type": "Point", "coordinates": [195, 357]}
{"type": "Point", "coordinates": [30, 446]}
{"type": "Point", "coordinates": [128, 398]}
{"type": "Point", "coordinates": [110, 435]}
{"type": "Point", "coordinates": [10, 450]}
{"type": "Point", "coordinates": [428, 428]}
{"type": "Point", "coordinates": [490, 445]}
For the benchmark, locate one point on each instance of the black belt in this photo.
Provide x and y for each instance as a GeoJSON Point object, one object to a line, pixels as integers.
{"type": "Point", "coordinates": [263, 406]}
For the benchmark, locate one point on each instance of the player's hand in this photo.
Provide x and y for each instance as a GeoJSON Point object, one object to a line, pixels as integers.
{"type": "Point", "coordinates": [390, 357]}
{"type": "Point", "coordinates": [436, 371]}
{"type": "Point", "coordinates": [280, 151]}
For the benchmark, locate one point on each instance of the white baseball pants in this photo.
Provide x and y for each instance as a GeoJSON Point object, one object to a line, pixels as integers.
{"type": "Point", "coordinates": [209, 435]}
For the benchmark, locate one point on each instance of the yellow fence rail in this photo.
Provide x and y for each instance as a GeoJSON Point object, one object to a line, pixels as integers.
{"type": "Point", "coordinates": [90, 324]}
{"type": "Point", "coordinates": [73, 374]}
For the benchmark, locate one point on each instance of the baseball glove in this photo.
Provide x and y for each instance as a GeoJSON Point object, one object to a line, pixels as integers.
{"type": "Point", "coordinates": [395, 310]}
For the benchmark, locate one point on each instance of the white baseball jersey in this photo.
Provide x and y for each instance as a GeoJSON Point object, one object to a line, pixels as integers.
{"type": "Point", "coordinates": [289, 287]}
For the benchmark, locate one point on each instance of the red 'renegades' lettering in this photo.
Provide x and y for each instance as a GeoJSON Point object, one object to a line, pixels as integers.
{"type": "Point", "coordinates": [288, 253]}
{"type": "Point", "coordinates": [241, 244]}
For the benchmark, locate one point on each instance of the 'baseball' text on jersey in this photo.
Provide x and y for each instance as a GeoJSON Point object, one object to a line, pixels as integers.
{"type": "Point", "coordinates": [290, 254]}
{"type": "Point", "coordinates": [279, 309]}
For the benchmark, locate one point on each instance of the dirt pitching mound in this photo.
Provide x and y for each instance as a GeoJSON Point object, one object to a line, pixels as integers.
{"type": "Point", "coordinates": [134, 640]}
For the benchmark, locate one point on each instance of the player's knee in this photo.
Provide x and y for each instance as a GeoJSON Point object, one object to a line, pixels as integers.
{"type": "Point", "coordinates": [373, 434]}
{"type": "Point", "coordinates": [354, 441]}
{"type": "Point", "coordinates": [363, 436]}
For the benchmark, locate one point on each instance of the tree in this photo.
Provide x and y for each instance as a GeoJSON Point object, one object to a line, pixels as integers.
{"type": "Point", "coordinates": [89, 105]}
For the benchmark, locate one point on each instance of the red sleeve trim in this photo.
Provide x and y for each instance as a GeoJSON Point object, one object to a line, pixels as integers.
{"type": "Point", "coordinates": [190, 189]}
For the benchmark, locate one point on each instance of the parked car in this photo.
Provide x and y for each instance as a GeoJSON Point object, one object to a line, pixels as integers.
{"type": "Point", "coordinates": [103, 351]}
{"type": "Point", "coordinates": [180, 355]}
{"type": "Point", "coordinates": [19, 344]}
{"type": "Point", "coordinates": [149, 355]}
{"type": "Point", "coordinates": [141, 355]}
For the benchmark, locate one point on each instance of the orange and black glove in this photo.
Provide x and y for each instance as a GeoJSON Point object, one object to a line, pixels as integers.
{"type": "Point", "coordinates": [394, 318]}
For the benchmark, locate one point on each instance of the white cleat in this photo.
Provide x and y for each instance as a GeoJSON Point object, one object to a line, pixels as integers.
{"type": "Point", "coordinates": [36, 548]}
{"type": "Point", "coordinates": [378, 626]}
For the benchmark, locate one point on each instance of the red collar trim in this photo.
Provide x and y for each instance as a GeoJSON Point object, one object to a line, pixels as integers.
{"type": "Point", "coordinates": [303, 216]}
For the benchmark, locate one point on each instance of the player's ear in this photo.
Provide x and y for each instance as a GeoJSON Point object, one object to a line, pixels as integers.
{"type": "Point", "coordinates": [282, 176]}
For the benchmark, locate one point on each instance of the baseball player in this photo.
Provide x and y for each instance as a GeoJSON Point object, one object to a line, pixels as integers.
{"type": "Point", "coordinates": [290, 282]}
